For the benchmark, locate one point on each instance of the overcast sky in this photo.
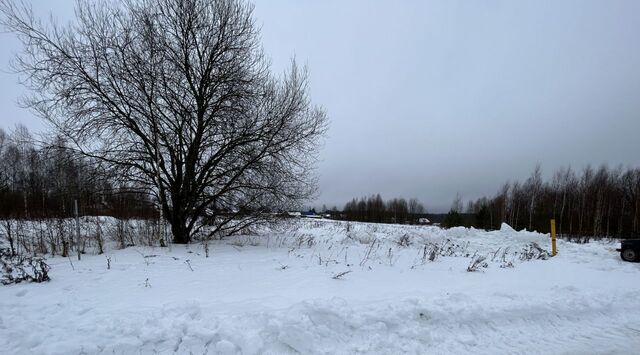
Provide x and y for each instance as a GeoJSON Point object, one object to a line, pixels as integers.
{"type": "Point", "coordinates": [430, 98]}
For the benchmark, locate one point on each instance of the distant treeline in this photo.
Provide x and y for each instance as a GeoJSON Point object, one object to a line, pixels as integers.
{"type": "Point", "coordinates": [374, 209]}
{"type": "Point", "coordinates": [591, 202]}
{"type": "Point", "coordinates": [600, 202]}
{"type": "Point", "coordinates": [45, 181]}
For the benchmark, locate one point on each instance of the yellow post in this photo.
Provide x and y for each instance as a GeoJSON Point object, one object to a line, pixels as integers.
{"type": "Point", "coordinates": [554, 251]}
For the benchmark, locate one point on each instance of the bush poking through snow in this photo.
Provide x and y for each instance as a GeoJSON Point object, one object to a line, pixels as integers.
{"type": "Point", "coordinates": [305, 240]}
{"type": "Point", "coordinates": [533, 252]}
{"type": "Point", "coordinates": [576, 239]}
{"type": "Point", "coordinates": [18, 268]}
{"type": "Point", "coordinates": [404, 240]}
{"type": "Point", "coordinates": [476, 263]}
{"type": "Point", "coordinates": [188, 262]}
{"type": "Point", "coordinates": [506, 264]}
{"type": "Point", "coordinates": [430, 252]}
{"type": "Point", "coordinates": [244, 240]}
{"type": "Point", "coordinates": [340, 275]}
{"type": "Point", "coordinates": [370, 252]}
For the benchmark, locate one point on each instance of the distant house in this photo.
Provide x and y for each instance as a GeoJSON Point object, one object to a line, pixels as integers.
{"type": "Point", "coordinates": [294, 214]}
{"type": "Point", "coordinates": [310, 214]}
{"type": "Point", "coordinates": [423, 221]}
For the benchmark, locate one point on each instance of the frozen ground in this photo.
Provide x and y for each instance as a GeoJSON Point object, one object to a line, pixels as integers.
{"type": "Point", "coordinates": [275, 293]}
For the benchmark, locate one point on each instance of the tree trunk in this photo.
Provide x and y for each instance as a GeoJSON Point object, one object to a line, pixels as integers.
{"type": "Point", "coordinates": [581, 216]}
{"type": "Point", "coordinates": [635, 217]}
{"type": "Point", "coordinates": [608, 234]}
{"type": "Point", "coordinates": [531, 208]}
{"type": "Point", "coordinates": [564, 200]}
{"type": "Point", "coordinates": [10, 237]}
{"type": "Point", "coordinates": [181, 234]}
{"type": "Point", "coordinates": [571, 213]}
{"type": "Point", "coordinates": [621, 219]}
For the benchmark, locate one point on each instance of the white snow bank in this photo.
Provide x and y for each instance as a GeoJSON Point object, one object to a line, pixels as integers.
{"type": "Point", "coordinates": [275, 293]}
{"type": "Point", "coordinates": [453, 324]}
{"type": "Point", "coordinates": [505, 228]}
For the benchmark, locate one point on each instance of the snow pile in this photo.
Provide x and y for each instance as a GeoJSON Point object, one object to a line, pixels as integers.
{"type": "Point", "coordinates": [507, 229]}
{"type": "Point", "coordinates": [505, 247]}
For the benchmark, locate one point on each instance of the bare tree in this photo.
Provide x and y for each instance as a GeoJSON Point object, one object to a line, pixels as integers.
{"type": "Point", "coordinates": [602, 202]}
{"type": "Point", "coordinates": [177, 97]}
{"type": "Point", "coordinates": [503, 198]}
{"type": "Point", "coordinates": [533, 187]}
{"type": "Point", "coordinates": [415, 207]}
{"type": "Point", "coordinates": [456, 205]}
{"type": "Point", "coordinates": [4, 179]}
{"type": "Point", "coordinates": [378, 208]}
{"type": "Point", "coordinates": [567, 187]}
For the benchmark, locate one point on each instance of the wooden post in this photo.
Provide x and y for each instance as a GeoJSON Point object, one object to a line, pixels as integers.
{"type": "Point", "coordinates": [554, 251]}
{"type": "Point", "coordinates": [75, 205]}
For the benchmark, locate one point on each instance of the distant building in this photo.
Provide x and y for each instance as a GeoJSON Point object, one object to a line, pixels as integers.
{"type": "Point", "coordinates": [310, 214]}
{"type": "Point", "coordinates": [423, 221]}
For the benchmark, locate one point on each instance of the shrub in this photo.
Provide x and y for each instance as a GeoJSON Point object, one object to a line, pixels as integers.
{"type": "Point", "coordinates": [453, 219]}
{"type": "Point", "coordinates": [18, 268]}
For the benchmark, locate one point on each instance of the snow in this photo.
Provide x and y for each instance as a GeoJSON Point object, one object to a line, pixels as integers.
{"type": "Point", "coordinates": [274, 292]}
{"type": "Point", "coordinates": [507, 229]}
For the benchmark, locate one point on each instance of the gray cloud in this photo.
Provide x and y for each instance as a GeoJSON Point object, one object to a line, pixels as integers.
{"type": "Point", "coordinates": [430, 98]}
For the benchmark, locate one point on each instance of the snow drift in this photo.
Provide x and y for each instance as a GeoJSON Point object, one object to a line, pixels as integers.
{"type": "Point", "coordinates": [274, 292]}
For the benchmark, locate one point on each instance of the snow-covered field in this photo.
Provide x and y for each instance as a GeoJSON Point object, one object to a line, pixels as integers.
{"type": "Point", "coordinates": [403, 290]}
